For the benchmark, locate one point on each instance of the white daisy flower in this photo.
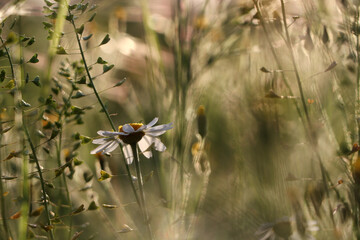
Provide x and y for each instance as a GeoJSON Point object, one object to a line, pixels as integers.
{"type": "Point", "coordinates": [144, 135]}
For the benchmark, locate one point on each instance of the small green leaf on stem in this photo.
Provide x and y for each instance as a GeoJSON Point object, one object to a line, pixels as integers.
{"type": "Point", "coordinates": [36, 81]}
{"type": "Point", "coordinates": [60, 50]}
{"type": "Point", "coordinates": [105, 40]}
{"type": "Point", "coordinates": [2, 76]}
{"type": "Point", "coordinates": [120, 82]}
{"type": "Point", "coordinates": [92, 206]}
{"type": "Point", "coordinates": [80, 30]}
{"type": "Point", "coordinates": [104, 176]}
{"type": "Point", "coordinates": [78, 94]}
{"type": "Point", "coordinates": [101, 61]}
{"type": "Point", "coordinates": [107, 68]}
{"type": "Point", "coordinates": [92, 17]}
{"type": "Point", "coordinates": [10, 84]}
{"type": "Point", "coordinates": [85, 139]}
{"type": "Point", "coordinates": [82, 80]}
{"type": "Point", "coordinates": [47, 25]}
{"type": "Point", "coordinates": [48, 3]}
{"type": "Point", "coordinates": [87, 37]}
{"type": "Point", "coordinates": [30, 42]}
{"type": "Point", "coordinates": [80, 209]}
{"type": "Point", "coordinates": [34, 59]}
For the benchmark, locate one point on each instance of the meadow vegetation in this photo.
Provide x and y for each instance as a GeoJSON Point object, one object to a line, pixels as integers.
{"type": "Point", "coordinates": [257, 104]}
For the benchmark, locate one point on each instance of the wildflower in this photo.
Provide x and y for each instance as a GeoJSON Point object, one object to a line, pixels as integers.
{"type": "Point", "coordinates": [144, 135]}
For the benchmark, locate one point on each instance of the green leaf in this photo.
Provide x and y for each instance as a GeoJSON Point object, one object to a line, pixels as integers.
{"type": "Point", "coordinates": [34, 59]}
{"type": "Point", "coordinates": [53, 15]}
{"type": "Point", "coordinates": [76, 136]}
{"type": "Point", "coordinates": [120, 82]}
{"type": "Point", "coordinates": [36, 81]}
{"type": "Point", "coordinates": [24, 38]}
{"type": "Point", "coordinates": [85, 139]}
{"type": "Point", "coordinates": [92, 17]}
{"type": "Point", "coordinates": [82, 80]}
{"type": "Point", "coordinates": [78, 210]}
{"type": "Point", "coordinates": [30, 42]}
{"type": "Point", "coordinates": [87, 176]}
{"type": "Point", "coordinates": [104, 176]}
{"type": "Point", "coordinates": [78, 94]}
{"type": "Point", "coordinates": [47, 25]}
{"type": "Point", "coordinates": [13, 24]}
{"type": "Point", "coordinates": [54, 133]}
{"type": "Point", "coordinates": [101, 61]}
{"type": "Point", "coordinates": [60, 50]}
{"type": "Point", "coordinates": [48, 3]}
{"type": "Point", "coordinates": [87, 37]}
{"type": "Point", "coordinates": [107, 68]}
{"type": "Point", "coordinates": [105, 40]}
{"type": "Point", "coordinates": [92, 206]}
{"type": "Point", "coordinates": [77, 162]}
{"type": "Point", "coordinates": [24, 104]}
{"type": "Point", "coordinates": [69, 17]}
{"type": "Point", "coordinates": [80, 30]}
{"type": "Point", "coordinates": [10, 84]}
{"type": "Point", "coordinates": [27, 78]}
{"type": "Point", "coordinates": [76, 110]}
{"type": "Point", "coordinates": [2, 76]}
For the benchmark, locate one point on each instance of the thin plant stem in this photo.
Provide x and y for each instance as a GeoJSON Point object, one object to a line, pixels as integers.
{"type": "Point", "coordinates": [2, 200]}
{"type": "Point", "coordinates": [289, 44]}
{"type": "Point", "coordinates": [42, 182]}
{"type": "Point", "coordinates": [103, 108]}
{"type": "Point", "coordinates": [324, 173]}
{"type": "Point", "coordinates": [141, 188]}
{"type": "Point", "coordinates": [357, 101]}
{"type": "Point", "coordinates": [272, 48]}
{"type": "Point", "coordinates": [3, 214]}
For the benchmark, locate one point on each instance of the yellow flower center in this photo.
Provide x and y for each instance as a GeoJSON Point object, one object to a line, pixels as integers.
{"type": "Point", "coordinates": [134, 137]}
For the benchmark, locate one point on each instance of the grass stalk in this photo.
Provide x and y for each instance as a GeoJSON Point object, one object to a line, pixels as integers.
{"type": "Point", "coordinates": [42, 182]}
{"type": "Point", "coordinates": [141, 189]}
{"type": "Point", "coordinates": [5, 223]}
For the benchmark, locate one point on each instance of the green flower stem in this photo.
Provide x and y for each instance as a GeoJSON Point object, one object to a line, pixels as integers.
{"type": "Point", "coordinates": [141, 188]}
{"type": "Point", "coordinates": [103, 108]}
{"type": "Point", "coordinates": [41, 179]}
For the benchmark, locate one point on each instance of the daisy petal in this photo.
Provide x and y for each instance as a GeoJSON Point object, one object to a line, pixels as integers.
{"type": "Point", "coordinates": [156, 133]}
{"type": "Point", "coordinates": [128, 128]}
{"type": "Point", "coordinates": [107, 133]}
{"type": "Point", "coordinates": [145, 143]}
{"type": "Point", "coordinates": [100, 140]}
{"type": "Point", "coordinates": [111, 147]}
{"type": "Point", "coordinates": [128, 154]}
{"type": "Point", "coordinates": [153, 122]}
{"type": "Point", "coordinates": [160, 128]}
{"type": "Point", "coordinates": [147, 154]}
{"type": "Point", "coordinates": [141, 128]}
{"type": "Point", "coordinates": [101, 147]}
{"type": "Point", "coordinates": [159, 146]}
